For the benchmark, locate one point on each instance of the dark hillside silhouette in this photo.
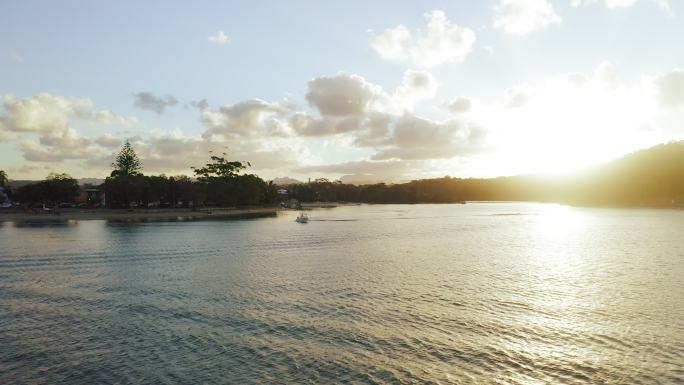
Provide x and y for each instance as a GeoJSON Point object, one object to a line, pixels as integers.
{"type": "Point", "coordinates": [651, 177]}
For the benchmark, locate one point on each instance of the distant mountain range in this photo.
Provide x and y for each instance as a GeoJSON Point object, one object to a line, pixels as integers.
{"type": "Point", "coordinates": [285, 181]}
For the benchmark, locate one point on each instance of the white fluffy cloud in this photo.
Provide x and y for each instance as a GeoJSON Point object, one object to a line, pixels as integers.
{"type": "Point", "coordinates": [220, 38]}
{"type": "Point", "coordinates": [419, 138]}
{"type": "Point", "coordinates": [246, 119]}
{"type": "Point", "coordinates": [47, 113]}
{"type": "Point", "coordinates": [59, 146]}
{"type": "Point", "coordinates": [353, 107]}
{"type": "Point", "coordinates": [343, 95]}
{"type": "Point", "coordinates": [529, 127]}
{"type": "Point", "coordinates": [50, 117]}
{"type": "Point", "coordinates": [443, 42]}
{"type": "Point", "coordinates": [520, 17]}
{"type": "Point", "coordinates": [307, 125]}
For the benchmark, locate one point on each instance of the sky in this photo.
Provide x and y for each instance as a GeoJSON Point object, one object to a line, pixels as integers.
{"type": "Point", "coordinates": [355, 90]}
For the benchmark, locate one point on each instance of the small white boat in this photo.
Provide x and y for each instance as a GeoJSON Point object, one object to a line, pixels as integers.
{"type": "Point", "coordinates": [302, 218]}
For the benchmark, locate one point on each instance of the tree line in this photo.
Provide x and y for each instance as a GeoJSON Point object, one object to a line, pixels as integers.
{"type": "Point", "coordinates": [652, 177]}
{"type": "Point", "coordinates": [220, 182]}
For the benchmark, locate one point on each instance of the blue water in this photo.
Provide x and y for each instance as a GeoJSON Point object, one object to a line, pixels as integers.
{"type": "Point", "coordinates": [505, 293]}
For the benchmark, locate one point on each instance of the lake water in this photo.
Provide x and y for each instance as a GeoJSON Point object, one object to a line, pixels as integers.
{"type": "Point", "coordinates": [498, 293]}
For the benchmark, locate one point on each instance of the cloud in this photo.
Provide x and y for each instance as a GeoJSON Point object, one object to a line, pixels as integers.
{"type": "Point", "coordinates": [57, 147]}
{"type": "Point", "coordinates": [349, 103]}
{"type": "Point", "coordinates": [374, 130]}
{"type": "Point", "coordinates": [517, 96]}
{"type": "Point", "coordinates": [343, 95]}
{"type": "Point", "coordinates": [109, 141]}
{"type": "Point", "coordinates": [618, 3]}
{"type": "Point", "coordinates": [520, 17]}
{"type": "Point", "coordinates": [220, 38]}
{"type": "Point", "coordinates": [670, 88]}
{"type": "Point", "coordinates": [443, 42]}
{"type": "Point", "coordinates": [366, 130]}
{"type": "Point", "coordinates": [353, 108]}
{"type": "Point", "coordinates": [51, 114]}
{"type": "Point", "coordinates": [199, 104]}
{"type": "Point", "coordinates": [542, 124]}
{"type": "Point", "coordinates": [363, 171]}
{"type": "Point", "coordinates": [148, 101]}
{"type": "Point", "coordinates": [356, 167]}
{"type": "Point", "coordinates": [416, 86]}
{"type": "Point", "coordinates": [419, 138]}
{"type": "Point", "coordinates": [460, 105]}
{"type": "Point", "coordinates": [574, 119]}
{"type": "Point", "coordinates": [51, 117]}
{"type": "Point", "coordinates": [307, 125]}
{"type": "Point", "coordinates": [177, 152]}
{"type": "Point", "coordinates": [246, 119]}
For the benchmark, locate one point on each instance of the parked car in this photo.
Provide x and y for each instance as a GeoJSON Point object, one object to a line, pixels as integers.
{"type": "Point", "coordinates": [66, 205]}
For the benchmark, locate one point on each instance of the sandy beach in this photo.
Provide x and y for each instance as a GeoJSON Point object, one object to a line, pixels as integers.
{"type": "Point", "coordinates": [140, 214]}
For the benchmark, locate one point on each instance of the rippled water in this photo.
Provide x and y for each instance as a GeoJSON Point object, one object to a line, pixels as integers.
{"type": "Point", "coordinates": [477, 293]}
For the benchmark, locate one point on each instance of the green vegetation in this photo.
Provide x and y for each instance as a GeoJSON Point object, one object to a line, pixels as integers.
{"type": "Point", "coordinates": [127, 163]}
{"type": "Point", "coordinates": [653, 177]}
{"type": "Point", "coordinates": [54, 189]}
{"type": "Point", "coordinates": [5, 190]}
{"type": "Point", "coordinates": [4, 179]}
{"type": "Point", "coordinates": [218, 183]}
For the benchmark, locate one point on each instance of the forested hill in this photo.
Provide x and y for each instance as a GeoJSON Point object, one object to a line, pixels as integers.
{"type": "Point", "coordinates": [651, 177]}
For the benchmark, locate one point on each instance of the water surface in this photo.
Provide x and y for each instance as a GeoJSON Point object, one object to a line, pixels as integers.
{"type": "Point", "coordinates": [507, 293]}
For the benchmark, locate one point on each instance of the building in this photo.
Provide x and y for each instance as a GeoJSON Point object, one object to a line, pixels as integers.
{"type": "Point", "coordinates": [93, 197]}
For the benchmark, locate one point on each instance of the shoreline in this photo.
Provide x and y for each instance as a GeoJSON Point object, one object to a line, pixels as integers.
{"type": "Point", "coordinates": [227, 212]}
{"type": "Point", "coordinates": [140, 214]}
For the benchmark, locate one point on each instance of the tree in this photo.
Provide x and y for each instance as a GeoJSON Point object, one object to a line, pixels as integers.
{"type": "Point", "coordinates": [126, 162]}
{"type": "Point", "coordinates": [223, 184]}
{"type": "Point", "coordinates": [219, 167]}
{"type": "Point", "coordinates": [54, 189]}
{"type": "Point", "coordinates": [5, 192]}
{"type": "Point", "coordinates": [4, 180]}
{"type": "Point", "coordinates": [61, 188]}
{"type": "Point", "coordinates": [126, 183]}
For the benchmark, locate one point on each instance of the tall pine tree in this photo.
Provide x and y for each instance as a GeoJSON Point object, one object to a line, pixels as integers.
{"type": "Point", "coordinates": [127, 162]}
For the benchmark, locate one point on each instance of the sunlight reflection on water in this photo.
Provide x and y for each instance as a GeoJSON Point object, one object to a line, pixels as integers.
{"type": "Point", "coordinates": [479, 293]}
